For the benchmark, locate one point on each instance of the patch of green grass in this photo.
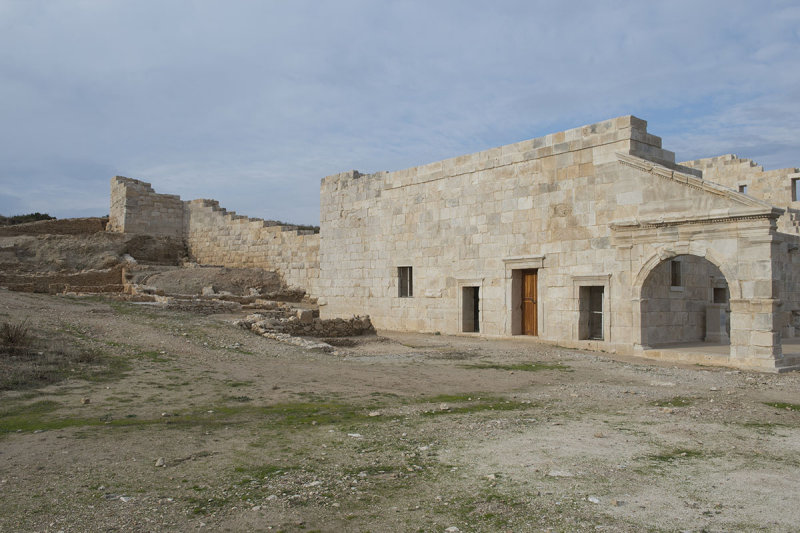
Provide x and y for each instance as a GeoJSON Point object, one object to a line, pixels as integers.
{"type": "Point", "coordinates": [763, 428]}
{"type": "Point", "coordinates": [451, 398]}
{"type": "Point", "coordinates": [673, 455]}
{"type": "Point", "coordinates": [205, 506]}
{"type": "Point", "coordinates": [522, 367]}
{"type": "Point", "coordinates": [487, 510]}
{"type": "Point", "coordinates": [373, 470]}
{"type": "Point", "coordinates": [235, 384]}
{"type": "Point", "coordinates": [22, 410]}
{"type": "Point", "coordinates": [677, 401]}
{"type": "Point", "coordinates": [52, 358]}
{"type": "Point", "coordinates": [238, 398]}
{"type": "Point", "coordinates": [262, 471]}
{"type": "Point", "coordinates": [482, 404]}
{"type": "Point", "coordinates": [784, 405]}
{"type": "Point", "coordinates": [286, 415]}
{"type": "Point", "coordinates": [152, 355]}
{"type": "Point", "coordinates": [129, 309]}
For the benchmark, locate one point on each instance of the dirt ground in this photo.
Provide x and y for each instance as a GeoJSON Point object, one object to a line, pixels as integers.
{"type": "Point", "coordinates": [195, 424]}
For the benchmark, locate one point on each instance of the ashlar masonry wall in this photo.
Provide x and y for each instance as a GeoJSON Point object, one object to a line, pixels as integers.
{"type": "Point", "coordinates": [215, 236]}
{"type": "Point", "coordinates": [593, 210]}
{"type": "Point", "coordinates": [780, 187]}
{"type": "Point", "coordinates": [472, 221]}
{"type": "Point", "coordinates": [137, 208]}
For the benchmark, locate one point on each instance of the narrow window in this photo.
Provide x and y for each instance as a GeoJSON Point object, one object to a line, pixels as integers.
{"type": "Point", "coordinates": [675, 274]}
{"type": "Point", "coordinates": [405, 285]}
{"type": "Point", "coordinates": [794, 189]}
{"type": "Point", "coordinates": [743, 189]}
{"type": "Point", "coordinates": [720, 295]}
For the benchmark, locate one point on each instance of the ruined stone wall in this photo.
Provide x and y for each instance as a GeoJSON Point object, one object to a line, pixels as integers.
{"type": "Point", "coordinates": [215, 236]}
{"type": "Point", "coordinates": [88, 281]}
{"type": "Point", "coordinates": [137, 208]}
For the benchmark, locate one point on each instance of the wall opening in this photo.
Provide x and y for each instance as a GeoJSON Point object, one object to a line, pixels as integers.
{"type": "Point", "coordinates": [675, 274]}
{"type": "Point", "coordinates": [405, 282]}
{"type": "Point", "coordinates": [525, 301]}
{"type": "Point", "coordinates": [590, 317]}
{"type": "Point", "coordinates": [698, 312]}
{"type": "Point", "coordinates": [720, 295]}
{"type": "Point", "coordinates": [470, 309]}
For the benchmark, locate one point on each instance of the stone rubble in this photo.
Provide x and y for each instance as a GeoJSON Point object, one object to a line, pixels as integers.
{"type": "Point", "coordinates": [290, 325]}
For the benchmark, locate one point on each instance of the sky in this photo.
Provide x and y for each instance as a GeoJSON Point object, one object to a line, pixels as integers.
{"type": "Point", "coordinates": [252, 103]}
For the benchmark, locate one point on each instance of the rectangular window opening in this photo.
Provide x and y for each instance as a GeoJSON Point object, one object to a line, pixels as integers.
{"type": "Point", "coordinates": [743, 189]}
{"type": "Point", "coordinates": [794, 189]}
{"type": "Point", "coordinates": [720, 295]}
{"type": "Point", "coordinates": [675, 274]}
{"type": "Point", "coordinates": [405, 282]}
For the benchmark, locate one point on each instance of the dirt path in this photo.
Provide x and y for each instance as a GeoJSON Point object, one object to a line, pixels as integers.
{"type": "Point", "coordinates": [401, 432]}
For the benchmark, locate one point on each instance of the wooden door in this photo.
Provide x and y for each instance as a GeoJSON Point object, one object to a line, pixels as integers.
{"type": "Point", "coordinates": [530, 316]}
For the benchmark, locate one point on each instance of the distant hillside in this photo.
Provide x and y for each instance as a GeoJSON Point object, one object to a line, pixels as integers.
{"type": "Point", "coordinates": [22, 219]}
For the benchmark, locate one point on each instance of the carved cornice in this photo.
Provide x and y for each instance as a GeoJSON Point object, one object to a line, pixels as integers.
{"type": "Point", "coordinates": [690, 181]}
{"type": "Point", "coordinates": [685, 221]}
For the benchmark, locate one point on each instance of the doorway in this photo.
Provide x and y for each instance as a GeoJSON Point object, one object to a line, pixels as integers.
{"type": "Point", "coordinates": [470, 309]}
{"type": "Point", "coordinates": [530, 312]}
{"type": "Point", "coordinates": [591, 313]}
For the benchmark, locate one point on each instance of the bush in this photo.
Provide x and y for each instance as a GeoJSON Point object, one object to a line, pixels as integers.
{"type": "Point", "coordinates": [22, 219]}
{"type": "Point", "coordinates": [15, 336]}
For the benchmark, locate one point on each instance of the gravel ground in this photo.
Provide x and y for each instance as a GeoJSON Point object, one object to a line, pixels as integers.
{"type": "Point", "coordinates": [199, 425]}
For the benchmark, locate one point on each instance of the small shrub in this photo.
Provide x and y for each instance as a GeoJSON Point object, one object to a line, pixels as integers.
{"type": "Point", "coordinates": [22, 219]}
{"type": "Point", "coordinates": [15, 335]}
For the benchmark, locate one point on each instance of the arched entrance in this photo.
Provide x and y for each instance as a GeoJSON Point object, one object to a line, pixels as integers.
{"type": "Point", "coordinates": [685, 299]}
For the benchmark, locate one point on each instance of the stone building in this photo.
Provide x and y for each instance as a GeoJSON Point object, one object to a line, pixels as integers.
{"type": "Point", "coordinates": [592, 238]}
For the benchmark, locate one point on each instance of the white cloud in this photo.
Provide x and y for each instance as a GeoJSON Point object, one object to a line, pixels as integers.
{"type": "Point", "coordinates": [252, 103]}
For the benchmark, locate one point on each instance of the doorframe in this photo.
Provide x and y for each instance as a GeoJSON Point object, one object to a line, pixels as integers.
{"type": "Point", "coordinates": [471, 282]}
{"type": "Point", "coordinates": [513, 274]}
{"type": "Point", "coordinates": [602, 280]}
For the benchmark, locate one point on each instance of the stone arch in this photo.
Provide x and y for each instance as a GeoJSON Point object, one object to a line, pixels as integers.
{"type": "Point", "coordinates": [680, 301]}
{"type": "Point", "coordinates": [664, 253]}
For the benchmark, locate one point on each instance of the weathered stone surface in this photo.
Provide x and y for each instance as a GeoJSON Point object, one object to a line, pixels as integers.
{"type": "Point", "coordinates": [629, 248]}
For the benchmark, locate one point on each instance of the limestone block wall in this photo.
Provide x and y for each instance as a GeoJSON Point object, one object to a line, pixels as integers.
{"type": "Point", "coordinates": [678, 313]}
{"type": "Point", "coordinates": [775, 187]}
{"type": "Point", "coordinates": [137, 208]}
{"type": "Point", "coordinates": [598, 207]}
{"type": "Point", "coordinates": [772, 186]}
{"type": "Point", "coordinates": [475, 219]}
{"type": "Point", "coordinates": [215, 236]}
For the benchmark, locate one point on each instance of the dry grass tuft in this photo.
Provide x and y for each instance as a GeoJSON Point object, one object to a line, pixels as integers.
{"type": "Point", "coordinates": [14, 336]}
{"type": "Point", "coordinates": [27, 361]}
